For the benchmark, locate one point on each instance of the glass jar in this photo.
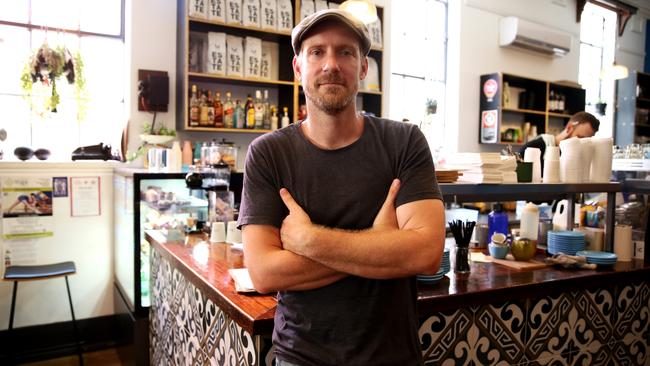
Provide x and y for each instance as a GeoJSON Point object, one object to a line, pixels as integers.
{"type": "Point", "coordinates": [462, 260]}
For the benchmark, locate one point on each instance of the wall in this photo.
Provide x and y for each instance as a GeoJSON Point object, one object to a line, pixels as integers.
{"type": "Point", "coordinates": [478, 53]}
{"type": "Point", "coordinates": [85, 240]}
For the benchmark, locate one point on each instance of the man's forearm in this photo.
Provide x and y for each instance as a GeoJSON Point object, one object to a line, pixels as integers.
{"type": "Point", "coordinates": [273, 268]}
{"type": "Point", "coordinates": [375, 254]}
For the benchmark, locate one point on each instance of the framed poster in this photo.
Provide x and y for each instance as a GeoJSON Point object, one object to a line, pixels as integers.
{"type": "Point", "coordinates": [60, 187]}
{"type": "Point", "coordinates": [85, 197]}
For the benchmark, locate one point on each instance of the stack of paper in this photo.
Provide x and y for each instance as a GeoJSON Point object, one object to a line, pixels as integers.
{"type": "Point", "coordinates": [489, 168]}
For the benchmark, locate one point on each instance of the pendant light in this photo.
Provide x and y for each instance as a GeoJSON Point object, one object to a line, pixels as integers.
{"type": "Point", "coordinates": [614, 72]}
{"type": "Point", "coordinates": [364, 10]}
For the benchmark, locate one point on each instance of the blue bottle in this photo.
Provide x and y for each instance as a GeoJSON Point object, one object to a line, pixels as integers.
{"type": "Point", "coordinates": [497, 221]}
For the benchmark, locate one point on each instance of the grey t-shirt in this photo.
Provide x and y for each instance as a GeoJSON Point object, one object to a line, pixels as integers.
{"type": "Point", "coordinates": [355, 321]}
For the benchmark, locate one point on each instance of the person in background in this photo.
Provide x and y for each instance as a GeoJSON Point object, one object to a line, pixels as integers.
{"type": "Point", "coordinates": [339, 212]}
{"type": "Point", "coordinates": [581, 124]}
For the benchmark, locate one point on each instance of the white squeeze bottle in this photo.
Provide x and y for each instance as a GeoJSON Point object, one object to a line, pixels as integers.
{"type": "Point", "coordinates": [529, 222]}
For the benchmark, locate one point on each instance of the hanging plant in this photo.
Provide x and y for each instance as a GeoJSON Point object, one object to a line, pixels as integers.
{"type": "Point", "coordinates": [41, 73]}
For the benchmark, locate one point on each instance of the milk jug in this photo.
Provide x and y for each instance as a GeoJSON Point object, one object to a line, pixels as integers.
{"type": "Point", "coordinates": [529, 222]}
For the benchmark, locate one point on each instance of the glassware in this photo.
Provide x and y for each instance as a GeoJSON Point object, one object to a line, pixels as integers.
{"type": "Point", "coordinates": [646, 151]}
{"type": "Point", "coordinates": [462, 260]}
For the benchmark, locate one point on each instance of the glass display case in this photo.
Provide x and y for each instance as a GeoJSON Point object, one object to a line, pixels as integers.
{"type": "Point", "coordinates": [146, 201]}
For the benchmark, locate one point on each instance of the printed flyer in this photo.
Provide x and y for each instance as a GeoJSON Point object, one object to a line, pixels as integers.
{"type": "Point", "coordinates": [27, 207]}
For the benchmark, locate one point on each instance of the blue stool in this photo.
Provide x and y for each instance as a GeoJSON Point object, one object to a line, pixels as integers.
{"type": "Point", "coordinates": [42, 272]}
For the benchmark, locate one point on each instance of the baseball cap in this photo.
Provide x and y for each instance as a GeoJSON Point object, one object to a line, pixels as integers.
{"type": "Point", "coordinates": [338, 15]}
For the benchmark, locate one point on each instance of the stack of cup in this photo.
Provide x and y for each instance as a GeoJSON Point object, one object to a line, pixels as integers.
{"type": "Point", "coordinates": [601, 164]}
{"type": "Point", "coordinates": [552, 165]}
{"type": "Point", "coordinates": [233, 235]}
{"type": "Point", "coordinates": [571, 166]}
{"type": "Point", "coordinates": [587, 155]}
{"type": "Point", "coordinates": [533, 155]}
{"type": "Point", "coordinates": [218, 232]}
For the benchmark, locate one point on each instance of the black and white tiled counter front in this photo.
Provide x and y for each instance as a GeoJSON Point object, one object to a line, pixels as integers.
{"type": "Point", "coordinates": [571, 318]}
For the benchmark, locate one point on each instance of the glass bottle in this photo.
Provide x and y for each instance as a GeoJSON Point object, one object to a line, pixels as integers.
{"type": "Point", "coordinates": [194, 108]}
{"type": "Point", "coordinates": [228, 111]}
{"type": "Point", "coordinates": [249, 108]}
{"type": "Point", "coordinates": [218, 110]}
{"type": "Point", "coordinates": [285, 117]}
{"type": "Point", "coordinates": [240, 117]}
{"type": "Point", "coordinates": [210, 121]}
{"type": "Point", "coordinates": [266, 120]}
{"type": "Point", "coordinates": [274, 119]}
{"type": "Point", "coordinates": [259, 110]}
{"type": "Point", "coordinates": [203, 115]}
{"type": "Point", "coordinates": [497, 221]}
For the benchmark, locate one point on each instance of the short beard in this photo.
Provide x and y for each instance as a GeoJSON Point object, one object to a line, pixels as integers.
{"type": "Point", "coordinates": [332, 106]}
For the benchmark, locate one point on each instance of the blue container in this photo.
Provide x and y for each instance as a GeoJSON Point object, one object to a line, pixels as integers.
{"type": "Point", "coordinates": [497, 221]}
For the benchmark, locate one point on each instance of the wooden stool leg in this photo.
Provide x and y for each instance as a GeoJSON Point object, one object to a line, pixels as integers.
{"type": "Point", "coordinates": [74, 324]}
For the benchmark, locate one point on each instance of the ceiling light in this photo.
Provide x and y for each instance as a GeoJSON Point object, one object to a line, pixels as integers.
{"type": "Point", "coordinates": [364, 10]}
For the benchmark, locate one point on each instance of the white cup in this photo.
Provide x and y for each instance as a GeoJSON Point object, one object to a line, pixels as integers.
{"type": "Point", "coordinates": [218, 232]}
{"type": "Point", "coordinates": [233, 235]}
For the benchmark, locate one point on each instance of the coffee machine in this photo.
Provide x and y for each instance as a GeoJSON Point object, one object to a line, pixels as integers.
{"type": "Point", "coordinates": [212, 183]}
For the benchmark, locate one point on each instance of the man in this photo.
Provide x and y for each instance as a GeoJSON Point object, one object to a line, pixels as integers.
{"type": "Point", "coordinates": [581, 124]}
{"type": "Point", "coordinates": [339, 212]}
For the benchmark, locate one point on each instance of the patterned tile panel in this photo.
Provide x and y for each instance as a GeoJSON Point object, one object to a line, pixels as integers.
{"type": "Point", "coordinates": [607, 326]}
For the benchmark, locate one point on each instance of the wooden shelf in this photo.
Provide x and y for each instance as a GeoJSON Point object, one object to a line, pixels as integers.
{"type": "Point", "coordinates": [238, 79]}
{"type": "Point", "coordinates": [560, 115]}
{"type": "Point", "coordinates": [530, 111]}
{"type": "Point", "coordinates": [235, 26]}
{"type": "Point", "coordinates": [236, 130]}
{"type": "Point", "coordinates": [375, 92]}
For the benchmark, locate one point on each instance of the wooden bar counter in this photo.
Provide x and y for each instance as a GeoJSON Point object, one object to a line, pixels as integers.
{"type": "Point", "coordinates": [493, 315]}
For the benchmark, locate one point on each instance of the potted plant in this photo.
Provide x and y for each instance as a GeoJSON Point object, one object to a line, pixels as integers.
{"type": "Point", "coordinates": [432, 106]}
{"type": "Point", "coordinates": [41, 73]}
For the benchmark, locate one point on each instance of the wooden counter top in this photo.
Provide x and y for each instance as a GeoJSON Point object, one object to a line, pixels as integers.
{"type": "Point", "coordinates": [206, 266]}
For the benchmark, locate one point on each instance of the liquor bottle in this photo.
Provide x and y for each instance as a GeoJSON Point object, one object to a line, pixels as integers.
{"type": "Point", "coordinates": [228, 112]}
{"type": "Point", "coordinates": [218, 110]}
{"type": "Point", "coordinates": [274, 118]}
{"type": "Point", "coordinates": [562, 103]}
{"type": "Point", "coordinates": [259, 110]}
{"type": "Point", "coordinates": [249, 108]}
{"type": "Point", "coordinates": [210, 121]}
{"type": "Point", "coordinates": [285, 117]}
{"type": "Point", "coordinates": [240, 115]}
{"type": "Point", "coordinates": [551, 102]}
{"type": "Point", "coordinates": [203, 115]}
{"type": "Point", "coordinates": [194, 108]}
{"type": "Point", "coordinates": [266, 120]}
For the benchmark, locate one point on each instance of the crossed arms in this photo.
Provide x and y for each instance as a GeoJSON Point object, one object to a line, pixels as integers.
{"type": "Point", "coordinates": [301, 255]}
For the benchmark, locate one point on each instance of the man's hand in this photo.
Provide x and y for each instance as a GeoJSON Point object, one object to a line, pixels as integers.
{"type": "Point", "coordinates": [386, 218]}
{"type": "Point", "coordinates": [296, 227]}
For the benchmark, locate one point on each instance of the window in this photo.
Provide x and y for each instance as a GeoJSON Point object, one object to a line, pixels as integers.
{"type": "Point", "coordinates": [418, 65]}
{"type": "Point", "coordinates": [597, 43]}
{"type": "Point", "coordinates": [95, 29]}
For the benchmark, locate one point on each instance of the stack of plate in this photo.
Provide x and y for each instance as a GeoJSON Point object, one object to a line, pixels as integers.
{"type": "Point", "coordinates": [599, 258]}
{"type": "Point", "coordinates": [567, 242]}
{"type": "Point", "coordinates": [444, 268]}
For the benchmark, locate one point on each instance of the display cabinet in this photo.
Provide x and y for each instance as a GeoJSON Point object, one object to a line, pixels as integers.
{"type": "Point", "coordinates": [143, 201]}
{"type": "Point", "coordinates": [633, 109]}
{"type": "Point", "coordinates": [514, 108]}
{"type": "Point", "coordinates": [283, 89]}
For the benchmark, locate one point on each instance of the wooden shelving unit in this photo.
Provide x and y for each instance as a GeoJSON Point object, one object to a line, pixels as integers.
{"type": "Point", "coordinates": [509, 101]}
{"type": "Point", "coordinates": [284, 92]}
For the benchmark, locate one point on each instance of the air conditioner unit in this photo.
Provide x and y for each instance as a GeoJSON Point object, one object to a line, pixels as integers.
{"type": "Point", "coordinates": [519, 33]}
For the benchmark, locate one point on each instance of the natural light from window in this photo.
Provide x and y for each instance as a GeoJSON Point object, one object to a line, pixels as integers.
{"type": "Point", "coordinates": [94, 29]}
{"type": "Point", "coordinates": [597, 46]}
{"type": "Point", "coordinates": [418, 66]}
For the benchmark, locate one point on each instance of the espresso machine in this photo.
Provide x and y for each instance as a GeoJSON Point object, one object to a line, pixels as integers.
{"type": "Point", "coordinates": [210, 179]}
